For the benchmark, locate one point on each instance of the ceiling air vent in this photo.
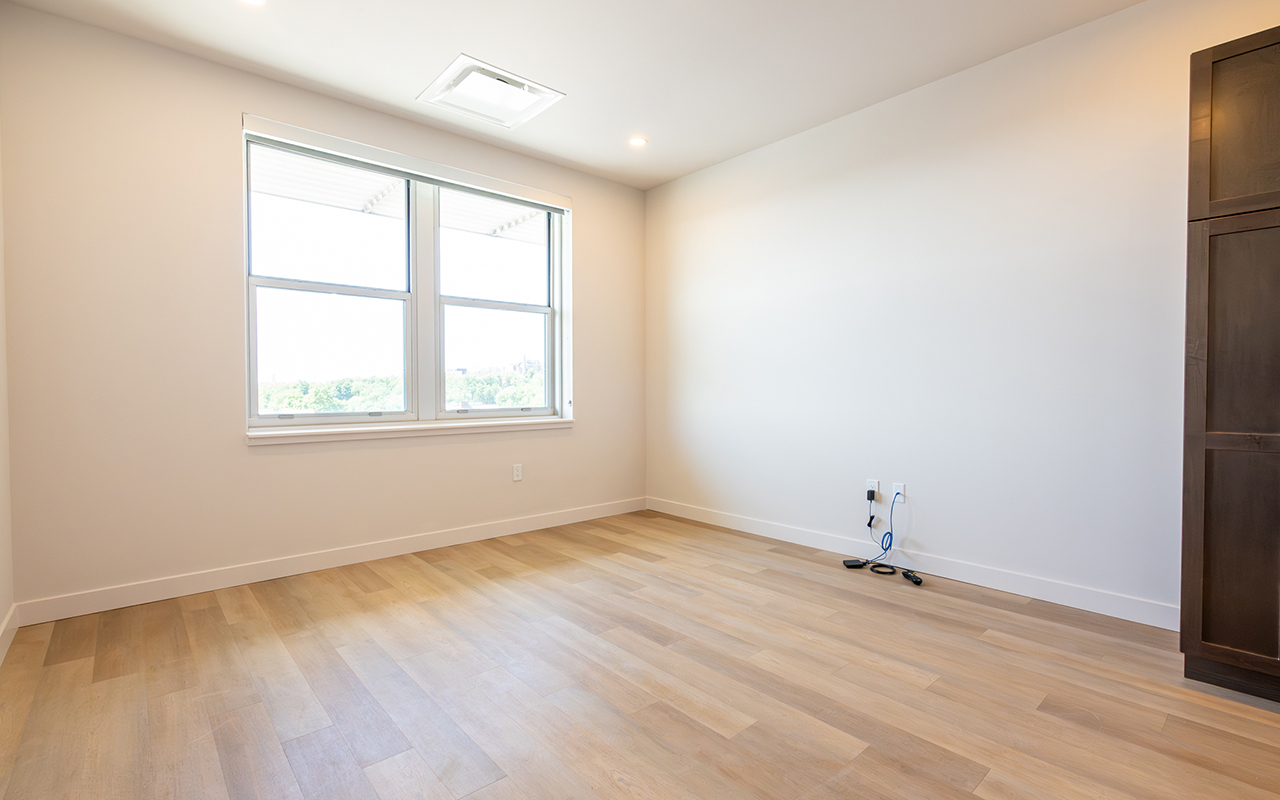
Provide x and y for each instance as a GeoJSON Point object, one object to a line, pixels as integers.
{"type": "Point", "coordinates": [485, 92]}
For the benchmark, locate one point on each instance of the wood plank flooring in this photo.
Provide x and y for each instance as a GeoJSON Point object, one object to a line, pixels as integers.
{"type": "Point", "coordinates": [633, 657]}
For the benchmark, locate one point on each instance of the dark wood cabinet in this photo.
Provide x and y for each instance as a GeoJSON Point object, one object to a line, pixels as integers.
{"type": "Point", "coordinates": [1231, 483]}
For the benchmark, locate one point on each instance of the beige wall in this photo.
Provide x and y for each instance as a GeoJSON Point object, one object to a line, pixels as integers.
{"type": "Point", "coordinates": [7, 622]}
{"type": "Point", "coordinates": [123, 200]}
{"type": "Point", "coordinates": [975, 288]}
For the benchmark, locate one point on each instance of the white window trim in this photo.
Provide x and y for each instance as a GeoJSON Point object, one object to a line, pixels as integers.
{"type": "Point", "coordinates": [421, 336]}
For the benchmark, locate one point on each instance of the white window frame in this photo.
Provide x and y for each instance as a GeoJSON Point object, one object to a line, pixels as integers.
{"type": "Point", "coordinates": [426, 412]}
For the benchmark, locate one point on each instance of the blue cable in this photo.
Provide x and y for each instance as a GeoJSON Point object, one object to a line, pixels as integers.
{"type": "Point", "coordinates": [886, 541]}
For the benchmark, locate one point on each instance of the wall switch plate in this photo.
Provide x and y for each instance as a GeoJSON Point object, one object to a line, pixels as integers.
{"type": "Point", "coordinates": [900, 489]}
{"type": "Point", "coordinates": [873, 485]}
{"type": "Point", "coordinates": [517, 472]}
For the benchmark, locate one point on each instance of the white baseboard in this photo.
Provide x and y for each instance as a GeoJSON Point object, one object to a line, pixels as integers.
{"type": "Point", "coordinates": [7, 629]}
{"type": "Point", "coordinates": [32, 612]}
{"type": "Point", "coordinates": [1137, 609]}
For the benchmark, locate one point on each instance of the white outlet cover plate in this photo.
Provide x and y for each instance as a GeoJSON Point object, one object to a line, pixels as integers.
{"type": "Point", "coordinates": [900, 489]}
{"type": "Point", "coordinates": [873, 485]}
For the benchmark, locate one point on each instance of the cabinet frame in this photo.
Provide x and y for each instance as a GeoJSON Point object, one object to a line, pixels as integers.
{"type": "Point", "coordinates": [1199, 204]}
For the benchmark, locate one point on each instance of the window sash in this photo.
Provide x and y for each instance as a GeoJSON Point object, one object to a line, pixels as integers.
{"type": "Point", "coordinates": [548, 368]}
{"type": "Point", "coordinates": [257, 418]}
{"type": "Point", "coordinates": [424, 310]}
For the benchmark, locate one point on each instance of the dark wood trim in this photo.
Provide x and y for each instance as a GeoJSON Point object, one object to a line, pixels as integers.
{"type": "Point", "coordinates": [1252, 442]}
{"type": "Point", "coordinates": [1244, 44]}
{"type": "Point", "coordinates": [1195, 400]}
{"type": "Point", "coordinates": [1237, 658]}
{"type": "Point", "coordinates": [1232, 677]}
{"type": "Point", "coordinates": [1201, 119]}
{"type": "Point", "coordinates": [1242, 205]}
{"type": "Point", "coordinates": [1253, 221]}
{"type": "Point", "coordinates": [1196, 387]}
{"type": "Point", "coordinates": [1192, 623]}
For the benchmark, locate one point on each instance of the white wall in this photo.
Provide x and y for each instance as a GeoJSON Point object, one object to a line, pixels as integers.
{"type": "Point", "coordinates": [123, 200]}
{"type": "Point", "coordinates": [975, 288]}
{"type": "Point", "coordinates": [8, 619]}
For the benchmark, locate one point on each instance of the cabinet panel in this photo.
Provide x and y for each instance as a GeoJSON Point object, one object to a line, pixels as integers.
{"type": "Point", "coordinates": [1235, 127]}
{"type": "Point", "coordinates": [1242, 551]}
{"type": "Point", "coordinates": [1244, 332]}
{"type": "Point", "coordinates": [1244, 133]}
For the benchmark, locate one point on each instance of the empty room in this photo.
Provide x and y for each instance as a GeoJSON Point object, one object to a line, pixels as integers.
{"type": "Point", "coordinates": [704, 400]}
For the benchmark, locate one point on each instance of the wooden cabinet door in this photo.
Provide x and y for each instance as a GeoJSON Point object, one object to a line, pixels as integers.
{"type": "Point", "coordinates": [1231, 509]}
{"type": "Point", "coordinates": [1235, 127]}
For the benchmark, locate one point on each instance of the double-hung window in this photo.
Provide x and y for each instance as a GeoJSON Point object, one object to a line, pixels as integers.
{"type": "Point", "coordinates": [386, 299]}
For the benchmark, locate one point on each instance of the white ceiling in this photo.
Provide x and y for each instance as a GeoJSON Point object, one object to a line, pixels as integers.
{"type": "Point", "coordinates": [703, 80]}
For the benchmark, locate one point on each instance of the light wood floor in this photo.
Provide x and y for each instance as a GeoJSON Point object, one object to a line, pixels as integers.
{"type": "Point", "coordinates": [638, 656]}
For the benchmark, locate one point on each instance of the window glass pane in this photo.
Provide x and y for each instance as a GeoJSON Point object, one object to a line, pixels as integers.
{"type": "Point", "coordinates": [314, 220]}
{"type": "Point", "coordinates": [493, 250]}
{"type": "Point", "coordinates": [494, 359]}
{"type": "Point", "coordinates": [329, 353]}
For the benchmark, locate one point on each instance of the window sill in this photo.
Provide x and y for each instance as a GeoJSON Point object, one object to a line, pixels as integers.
{"type": "Point", "coordinates": [395, 430]}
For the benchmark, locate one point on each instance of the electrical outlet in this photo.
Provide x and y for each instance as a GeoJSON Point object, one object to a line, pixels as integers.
{"type": "Point", "coordinates": [517, 472]}
{"type": "Point", "coordinates": [873, 485]}
{"type": "Point", "coordinates": [901, 490]}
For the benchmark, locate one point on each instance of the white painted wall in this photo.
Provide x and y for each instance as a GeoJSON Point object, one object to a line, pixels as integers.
{"type": "Point", "coordinates": [975, 288]}
{"type": "Point", "coordinates": [123, 203]}
{"type": "Point", "coordinates": [8, 619]}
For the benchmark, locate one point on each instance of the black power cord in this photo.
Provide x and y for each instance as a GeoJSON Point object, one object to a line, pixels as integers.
{"type": "Point", "coordinates": [881, 568]}
{"type": "Point", "coordinates": [886, 544]}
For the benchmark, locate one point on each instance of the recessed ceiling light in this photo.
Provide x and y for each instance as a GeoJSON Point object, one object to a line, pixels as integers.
{"type": "Point", "coordinates": [638, 141]}
{"type": "Point", "coordinates": [483, 91]}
